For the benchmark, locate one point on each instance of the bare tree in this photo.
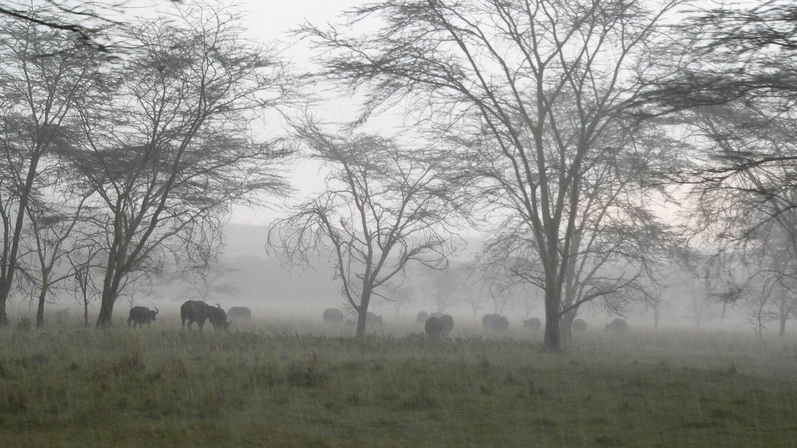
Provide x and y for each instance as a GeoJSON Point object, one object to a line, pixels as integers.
{"type": "Point", "coordinates": [51, 227]}
{"type": "Point", "coordinates": [87, 20]}
{"type": "Point", "coordinates": [38, 102]}
{"type": "Point", "coordinates": [383, 208]}
{"type": "Point", "coordinates": [84, 287]}
{"type": "Point", "coordinates": [170, 148]}
{"type": "Point", "coordinates": [530, 89]}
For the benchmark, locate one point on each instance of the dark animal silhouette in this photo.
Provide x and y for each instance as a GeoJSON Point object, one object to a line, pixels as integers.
{"type": "Point", "coordinates": [616, 326]}
{"type": "Point", "coordinates": [433, 327]}
{"type": "Point", "coordinates": [197, 311]}
{"type": "Point", "coordinates": [421, 317]}
{"type": "Point", "coordinates": [532, 324]}
{"type": "Point", "coordinates": [436, 314]}
{"type": "Point", "coordinates": [578, 326]}
{"type": "Point", "coordinates": [239, 313]}
{"type": "Point", "coordinates": [495, 322]}
{"type": "Point", "coordinates": [140, 315]}
{"type": "Point", "coordinates": [333, 315]}
{"type": "Point", "coordinates": [218, 318]}
{"type": "Point", "coordinates": [448, 324]}
{"type": "Point", "coordinates": [194, 311]}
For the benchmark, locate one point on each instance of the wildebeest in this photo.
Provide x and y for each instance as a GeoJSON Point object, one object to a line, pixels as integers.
{"type": "Point", "coordinates": [333, 315]}
{"type": "Point", "coordinates": [421, 317]}
{"type": "Point", "coordinates": [141, 315]}
{"type": "Point", "coordinates": [578, 326]}
{"type": "Point", "coordinates": [197, 311]}
{"type": "Point", "coordinates": [616, 326]}
{"type": "Point", "coordinates": [433, 327]}
{"type": "Point", "coordinates": [532, 324]}
{"type": "Point", "coordinates": [448, 324]}
{"type": "Point", "coordinates": [373, 319]}
{"type": "Point", "coordinates": [495, 322]}
{"type": "Point", "coordinates": [239, 313]}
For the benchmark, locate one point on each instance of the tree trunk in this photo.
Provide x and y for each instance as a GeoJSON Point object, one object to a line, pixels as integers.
{"type": "Point", "coordinates": [3, 315]}
{"type": "Point", "coordinates": [566, 327]}
{"type": "Point", "coordinates": [362, 313]}
{"type": "Point", "coordinates": [86, 313]}
{"type": "Point", "coordinates": [106, 310]}
{"type": "Point", "coordinates": [552, 341]}
{"type": "Point", "coordinates": [40, 310]}
{"type": "Point", "coordinates": [361, 319]}
{"type": "Point", "coordinates": [783, 319]}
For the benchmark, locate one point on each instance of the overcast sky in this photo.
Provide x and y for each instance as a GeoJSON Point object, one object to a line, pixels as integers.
{"type": "Point", "coordinates": [269, 21]}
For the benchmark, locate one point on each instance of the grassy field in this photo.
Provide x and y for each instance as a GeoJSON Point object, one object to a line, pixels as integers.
{"type": "Point", "coordinates": [266, 387]}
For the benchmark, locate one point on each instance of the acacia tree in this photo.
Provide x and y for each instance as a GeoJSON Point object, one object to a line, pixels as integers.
{"type": "Point", "coordinates": [529, 88]}
{"type": "Point", "coordinates": [87, 20]}
{"type": "Point", "coordinates": [51, 227]}
{"type": "Point", "coordinates": [84, 287]}
{"type": "Point", "coordinates": [746, 197]}
{"type": "Point", "coordinates": [39, 97]}
{"type": "Point", "coordinates": [771, 290]}
{"type": "Point", "coordinates": [169, 148]}
{"type": "Point", "coordinates": [383, 208]}
{"type": "Point", "coordinates": [618, 245]}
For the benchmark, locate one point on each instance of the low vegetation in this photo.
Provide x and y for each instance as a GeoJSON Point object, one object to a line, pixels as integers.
{"type": "Point", "coordinates": [167, 387]}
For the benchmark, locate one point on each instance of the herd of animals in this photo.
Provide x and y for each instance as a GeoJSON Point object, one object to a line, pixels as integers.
{"type": "Point", "coordinates": [440, 325]}
{"type": "Point", "coordinates": [435, 325]}
{"type": "Point", "coordinates": [193, 311]}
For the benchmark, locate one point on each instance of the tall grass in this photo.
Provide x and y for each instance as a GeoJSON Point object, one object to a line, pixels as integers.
{"type": "Point", "coordinates": [277, 385]}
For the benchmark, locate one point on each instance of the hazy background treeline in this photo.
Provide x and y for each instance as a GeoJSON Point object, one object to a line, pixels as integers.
{"type": "Point", "coordinates": [550, 159]}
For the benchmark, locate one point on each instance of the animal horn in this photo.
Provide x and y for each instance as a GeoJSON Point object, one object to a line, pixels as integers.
{"type": "Point", "coordinates": [218, 306]}
{"type": "Point", "coordinates": [156, 310]}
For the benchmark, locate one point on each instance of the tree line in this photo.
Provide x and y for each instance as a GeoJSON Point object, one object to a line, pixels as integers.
{"type": "Point", "coordinates": [562, 129]}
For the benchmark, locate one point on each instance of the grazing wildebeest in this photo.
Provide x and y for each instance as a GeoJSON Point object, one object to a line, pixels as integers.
{"type": "Point", "coordinates": [616, 326]}
{"type": "Point", "coordinates": [433, 327]}
{"type": "Point", "coordinates": [448, 324]}
{"type": "Point", "coordinates": [532, 324]}
{"type": "Point", "coordinates": [218, 318]}
{"type": "Point", "coordinates": [495, 322]}
{"type": "Point", "coordinates": [333, 315]}
{"type": "Point", "coordinates": [141, 315]}
{"type": "Point", "coordinates": [373, 319]}
{"type": "Point", "coordinates": [578, 326]}
{"type": "Point", "coordinates": [194, 311]}
{"type": "Point", "coordinates": [239, 313]}
{"type": "Point", "coordinates": [421, 317]}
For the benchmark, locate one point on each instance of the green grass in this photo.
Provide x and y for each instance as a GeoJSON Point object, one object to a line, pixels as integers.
{"type": "Point", "coordinates": [78, 387]}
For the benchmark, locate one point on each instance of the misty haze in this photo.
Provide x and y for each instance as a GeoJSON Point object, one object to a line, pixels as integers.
{"type": "Point", "coordinates": [420, 223]}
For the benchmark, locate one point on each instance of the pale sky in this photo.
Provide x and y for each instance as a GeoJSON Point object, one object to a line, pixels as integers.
{"type": "Point", "coordinates": [271, 21]}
